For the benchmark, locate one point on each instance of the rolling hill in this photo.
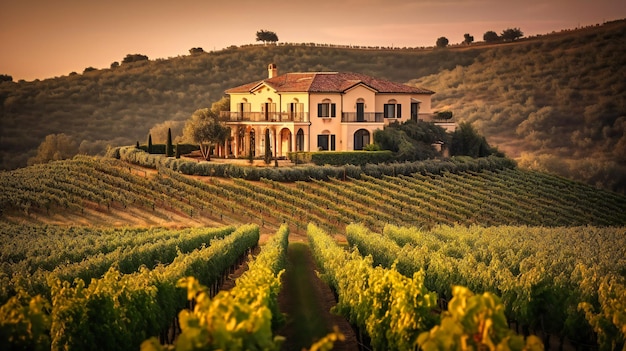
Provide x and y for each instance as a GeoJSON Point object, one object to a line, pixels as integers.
{"type": "Point", "coordinates": [556, 102]}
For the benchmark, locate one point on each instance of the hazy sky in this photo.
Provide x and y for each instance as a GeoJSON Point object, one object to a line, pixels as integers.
{"type": "Point", "coordinates": [48, 38]}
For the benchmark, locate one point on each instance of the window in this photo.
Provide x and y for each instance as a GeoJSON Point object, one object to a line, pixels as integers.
{"type": "Point", "coordinates": [326, 142]}
{"type": "Point", "coordinates": [243, 109]}
{"type": "Point", "coordinates": [269, 110]}
{"type": "Point", "coordinates": [295, 110]}
{"type": "Point", "coordinates": [392, 110]}
{"type": "Point", "coordinates": [326, 109]}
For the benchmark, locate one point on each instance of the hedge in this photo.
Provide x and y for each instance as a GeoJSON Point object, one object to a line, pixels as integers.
{"type": "Point", "coordinates": [160, 148]}
{"type": "Point", "coordinates": [340, 158]}
{"type": "Point", "coordinates": [308, 172]}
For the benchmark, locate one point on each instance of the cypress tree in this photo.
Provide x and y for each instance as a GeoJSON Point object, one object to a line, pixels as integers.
{"type": "Point", "coordinates": [268, 148]}
{"type": "Point", "coordinates": [149, 143]}
{"type": "Point", "coordinates": [169, 152]}
{"type": "Point", "coordinates": [177, 151]}
{"type": "Point", "coordinates": [137, 146]}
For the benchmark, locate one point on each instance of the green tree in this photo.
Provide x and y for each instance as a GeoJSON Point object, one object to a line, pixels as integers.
{"type": "Point", "coordinates": [411, 140]}
{"type": "Point", "coordinates": [511, 34]}
{"type": "Point", "coordinates": [160, 130]}
{"type": "Point", "coordinates": [442, 42]}
{"type": "Point", "coordinates": [169, 152]}
{"type": "Point", "coordinates": [266, 36]}
{"type": "Point", "coordinates": [196, 51]}
{"type": "Point", "coordinates": [205, 128]}
{"type": "Point", "coordinates": [466, 141]}
{"type": "Point", "coordinates": [491, 37]}
{"type": "Point", "coordinates": [55, 147]}
{"type": "Point", "coordinates": [468, 39]}
{"type": "Point", "coordinates": [149, 143]}
{"type": "Point", "coordinates": [134, 58]}
{"type": "Point", "coordinates": [268, 148]}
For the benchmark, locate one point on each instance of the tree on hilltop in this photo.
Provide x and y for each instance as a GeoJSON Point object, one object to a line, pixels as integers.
{"type": "Point", "coordinates": [511, 34]}
{"type": "Point", "coordinates": [6, 78]}
{"type": "Point", "coordinates": [442, 42]}
{"type": "Point", "coordinates": [196, 51]}
{"type": "Point", "coordinates": [134, 58]}
{"type": "Point", "coordinates": [491, 37]}
{"type": "Point", "coordinates": [266, 36]}
{"type": "Point", "coordinates": [468, 39]}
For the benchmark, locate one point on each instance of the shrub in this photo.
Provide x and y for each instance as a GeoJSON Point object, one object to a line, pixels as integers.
{"type": "Point", "coordinates": [340, 158]}
{"type": "Point", "coordinates": [308, 172]}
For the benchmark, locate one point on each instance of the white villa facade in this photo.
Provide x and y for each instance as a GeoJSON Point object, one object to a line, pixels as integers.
{"type": "Point", "coordinates": [317, 111]}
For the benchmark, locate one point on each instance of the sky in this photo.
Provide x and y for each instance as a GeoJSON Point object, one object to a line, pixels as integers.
{"type": "Point", "coordinates": [49, 38]}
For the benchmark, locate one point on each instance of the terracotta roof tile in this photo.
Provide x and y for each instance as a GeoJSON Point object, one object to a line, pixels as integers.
{"type": "Point", "coordinates": [328, 82]}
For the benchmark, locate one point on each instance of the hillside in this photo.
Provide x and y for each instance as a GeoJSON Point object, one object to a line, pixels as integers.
{"type": "Point", "coordinates": [104, 192]}
{"type": "Point", "coordinates": [549, 99]}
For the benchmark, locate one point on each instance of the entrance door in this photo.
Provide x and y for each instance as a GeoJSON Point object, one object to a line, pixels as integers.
{"type": "Point", "coordinates": [415, 107]}
{"type": "Point", "coordinates": [360, 112]}
{"type": "Point", "coordinates": [361, 139]}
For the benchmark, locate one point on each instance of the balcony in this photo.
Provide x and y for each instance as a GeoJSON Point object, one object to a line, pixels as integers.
{"type": "Point", "coordinates": [227, 116]}
{"type": "Point", "coordinates": [366, 117]}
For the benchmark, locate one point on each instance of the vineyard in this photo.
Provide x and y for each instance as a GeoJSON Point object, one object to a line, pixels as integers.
{"type": "Point", "coordinates": [543, 255]}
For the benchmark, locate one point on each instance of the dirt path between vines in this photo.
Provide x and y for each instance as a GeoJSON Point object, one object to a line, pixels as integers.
{"type": "Point", "coordinates": [306, 300]}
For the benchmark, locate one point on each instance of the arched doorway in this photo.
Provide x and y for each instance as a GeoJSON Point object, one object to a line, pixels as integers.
{"type": "Point", "coordinates": [361, 139]}
{"type": "Point", "coordinates": [285, 142]}
{"type": "Point", "coordinates": [300, 140]}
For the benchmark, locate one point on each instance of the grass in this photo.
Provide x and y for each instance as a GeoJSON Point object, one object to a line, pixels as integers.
{"type": "Point", "coordinates": [305, 323]}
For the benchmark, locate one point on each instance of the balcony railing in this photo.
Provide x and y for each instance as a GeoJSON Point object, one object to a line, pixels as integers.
{"type": "Point", "coordinates": [371, 117]}
{"type": "Point", "coordinates": [227, 116]}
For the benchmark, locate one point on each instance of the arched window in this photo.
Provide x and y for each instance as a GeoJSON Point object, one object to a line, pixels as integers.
{"type": "Point", "coordinates": [269, 109]}
{"type": "Point", "coordinates": [295, 110]}
{"type": "Point", "coordinates": [393, 109]}
{"type": "Point", "coordinates": [243, 109]}
{"type": "Point", "coordinates": [300, 140]}
{"type": "Point", "coordinates": [326, 109]}
{"type": "Point", "coordinates": [361, 139]}
{"type": "Point", "coordinates": [360, 110]}
{"type": "Point", "coordinates": [326, 141]}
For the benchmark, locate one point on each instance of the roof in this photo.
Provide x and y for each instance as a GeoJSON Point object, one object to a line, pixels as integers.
{"type": "Point", "coordinates": [328, 82]}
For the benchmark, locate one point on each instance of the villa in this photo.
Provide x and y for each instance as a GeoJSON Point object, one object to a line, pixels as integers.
{"type": "Point", "coordinates": [317, 111]}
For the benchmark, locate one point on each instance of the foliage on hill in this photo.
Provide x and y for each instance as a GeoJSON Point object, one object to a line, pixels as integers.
{"type": "Point", "coordinates": [545, 98]}
{"type": "Point", "coordinates": [559, 103]}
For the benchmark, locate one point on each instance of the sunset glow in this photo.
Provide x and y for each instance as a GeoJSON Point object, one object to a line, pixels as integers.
{"type": "Point", "coordinates": [43, 39]}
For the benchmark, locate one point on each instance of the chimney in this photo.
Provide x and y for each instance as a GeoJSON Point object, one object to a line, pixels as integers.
{"type": "Point", "coordinates": [272, 70]}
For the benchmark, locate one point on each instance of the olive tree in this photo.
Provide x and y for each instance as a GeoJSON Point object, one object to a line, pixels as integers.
{"type": "Point", "coordinates": [55, 147]}
{"type": "Point", "coordinates": [205, 129]}
{"type": "Point", "coordinates": [266, 36]}
{"type": "Point", "coordinates": [491, 37]}
{"type": "Point", "coordinates": [442, 42]}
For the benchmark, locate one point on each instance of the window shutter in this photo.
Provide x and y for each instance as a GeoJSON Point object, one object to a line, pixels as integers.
{"type": "Point", "coordinates": [332, 141]}
{"type": "Point", "coordinates": [319, 110]}
{"type": "Point", "coordinates": [333, 110]}
{"type": "Point", "coordinates": [399, 107]}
